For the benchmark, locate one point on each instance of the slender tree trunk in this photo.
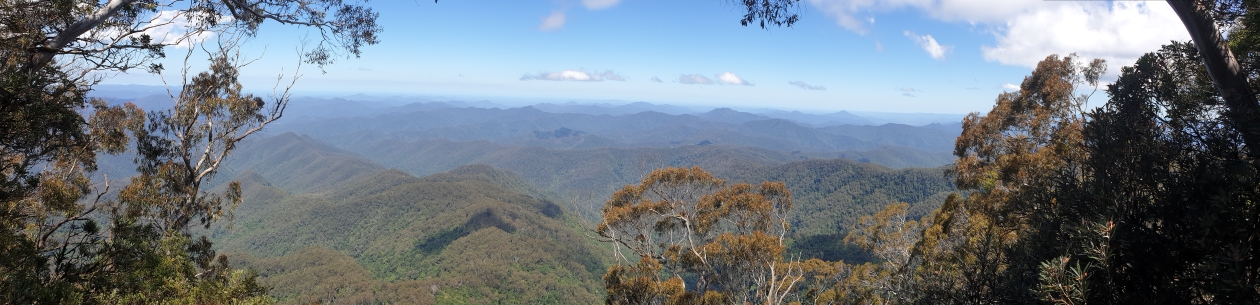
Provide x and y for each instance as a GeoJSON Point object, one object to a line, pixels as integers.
{"type": "Point", "coordinates": [1227, 75]}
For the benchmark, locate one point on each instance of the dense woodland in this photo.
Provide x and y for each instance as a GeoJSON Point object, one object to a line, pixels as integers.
{"type": "Point", "coordinates": [213, 199]}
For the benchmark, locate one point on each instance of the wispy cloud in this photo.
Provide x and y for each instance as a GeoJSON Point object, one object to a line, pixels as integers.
{"type": "Point", "coordinates": [729, 78]}
{"type": "Point", "coordinates": [803, 85]}
{"type": "Point", "coordinates": [907, 94]}
{"type": "Point", "coordinates": [929, 44]}
{"type": "Point", "coordinates": [575, 75]}
{"type": "Point", "coordinates": [553, 22]}
{"type": "Point", "coordinates": [364, 69]}
{"type": "Point", "coordinates": [657, 79]}
{"type": "Point", "coordinates": [599, 4]}
{"type": "Point", "coordinates": [694, 79]}
{"type": "Point", "coordinates": [908, 89]}
{"type": "Point", "coordinates": [609, 75]}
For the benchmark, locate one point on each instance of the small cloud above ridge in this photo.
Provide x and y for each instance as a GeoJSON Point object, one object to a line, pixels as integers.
{"type": "Point", "coordinates": [804, 85]}
{"type": "Point", "coordinates": [553, 22]}
{"type": "Point", "coordinates": [599, 4]}
{"type": "Point", "coordinates": [694, 79]}
{"type": "Point", "coordinates": [929, 44]}
{"type": "Point", "coordinates": [729, 78]}
{"type": "Point", "coordinates": [575, 75]}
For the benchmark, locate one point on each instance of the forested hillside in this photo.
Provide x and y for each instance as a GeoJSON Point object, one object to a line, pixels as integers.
{"type": "Point", "coordinates": [827, 183]}
{"type": "Point", "coordinates": [451, 237]}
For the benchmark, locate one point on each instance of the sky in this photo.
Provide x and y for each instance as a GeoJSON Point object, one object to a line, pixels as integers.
{"type": "Point", "coordinates": [925, 56]}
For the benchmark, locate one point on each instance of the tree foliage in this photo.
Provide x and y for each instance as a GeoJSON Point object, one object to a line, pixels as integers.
{"type": "Point", "coordinates": [689, 238]}
{"type": "Point", "coordinates": [65, 237]}
{"type": "Point", "coordinates": [137, 247]}
{"type": "Point", "coordinates": [1008, 160]}
{"type": "Point", "coordinates": [769, 12]}
{"type": "Point", "coordinates": [679, 222]}
{"type": "Point", "coordinates": [1146, 199]}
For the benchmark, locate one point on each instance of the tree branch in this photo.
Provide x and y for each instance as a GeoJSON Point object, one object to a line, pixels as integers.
{"type": "Point", "coordinates": [50, 49]}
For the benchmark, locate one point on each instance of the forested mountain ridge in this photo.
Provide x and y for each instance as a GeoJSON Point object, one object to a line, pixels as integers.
{"type": "Point", "coordinates": [820, 186]}
{"type": "Point", "coordinates": [460, 232]}
{"type": "Point", "coordinates": [598, 170]}
{"type": "Point", "coordinates": [523, 126]}
{"type": "Point", "coordinates": [297, 163]}
{"type": "Point", "coordinates": [830, 193]}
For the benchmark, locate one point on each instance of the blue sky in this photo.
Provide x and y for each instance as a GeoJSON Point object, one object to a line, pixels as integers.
{"type": "Point", "coordinates": [942, 56]}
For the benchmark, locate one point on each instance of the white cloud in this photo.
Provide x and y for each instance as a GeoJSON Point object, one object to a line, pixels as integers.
{"type": "Point", "coordinates": [929, 44]}
{"type": "Point", "coordinates": [599, 4]}
{"type": "Point", "coordinates": [168, 28]}
{"type": "Point", "coordinates": [1118, 32]}
{"type": "Point", "coordinates": [574, 75]}
{"type": "Point", "coordinates": [1029, 30]}
{"type": "Point", "coordinates": [657, 79]}
{"type": "Point", "coordinates": [552, 22]}
{"type": "Point", "coordinates": [729, 78]}
{"type": "Point", "coordinates": [694, 79]}
{"type": "Point", "coordinates": [1010, 87]}
{"type": "Point", "coordinates": [803, 85]}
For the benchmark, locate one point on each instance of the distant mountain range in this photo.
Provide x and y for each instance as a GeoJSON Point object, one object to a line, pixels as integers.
{"type": "Point", "coordinates": [305, 165]}
{"type": "Point", "coordinates": [526, 126]}
{"type": "Point", "coordinates": [305, 107]}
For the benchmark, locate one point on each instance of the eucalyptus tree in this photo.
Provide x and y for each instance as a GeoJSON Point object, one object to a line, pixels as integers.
{"type": "Point", "coordinates": [63, 239]}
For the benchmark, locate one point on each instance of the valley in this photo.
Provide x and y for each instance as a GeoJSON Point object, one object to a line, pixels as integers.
{"type": "Point", "coordinates": [406, 208]}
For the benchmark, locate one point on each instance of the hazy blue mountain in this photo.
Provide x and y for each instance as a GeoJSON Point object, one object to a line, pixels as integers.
{"type": "Point", "coordinates": [606, 108]}
{"type": "Point", "coordinates": [296, 163]}
{"type": "Point", "coordinates": [914, 119]}
{"type": "Point", "coordinates": [934, 137]}
{"type": "Point", "coordinates": [827, 119]}
{"type": "Point", "coordinates": [525, 126]}
{"type": "Point", "coordinates": [728, 115]}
